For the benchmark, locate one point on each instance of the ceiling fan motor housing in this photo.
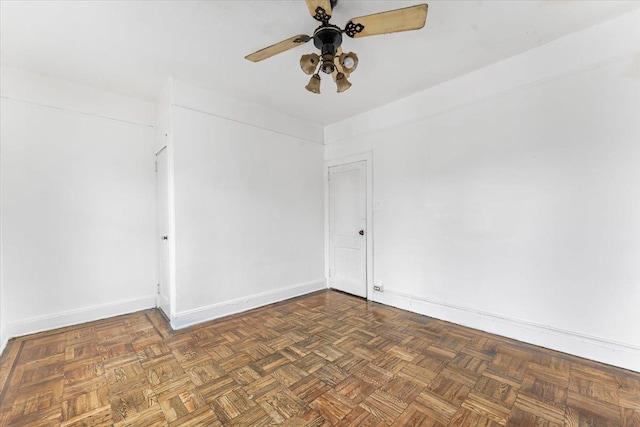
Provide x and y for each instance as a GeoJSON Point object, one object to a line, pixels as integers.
{"type": "Point", "coordinates": [328, 39]}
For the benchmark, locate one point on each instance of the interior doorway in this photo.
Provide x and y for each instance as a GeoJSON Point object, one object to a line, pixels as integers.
{"type": "Point", "coordinates": [162, 200]}
{"type": "Point", "coordinates": [348, 227]}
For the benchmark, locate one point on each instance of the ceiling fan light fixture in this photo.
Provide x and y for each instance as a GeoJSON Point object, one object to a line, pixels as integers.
{"type": "Point", "coordinates": [349, 62]}
{"type": "Point", "coordinates": [314, 84]}
{"type": "Point", "coordinates": [342, 82]}
{"type": "Point", "coordinates": [328, 63]}
{"type": "Point", "coordinates": [309, 63]}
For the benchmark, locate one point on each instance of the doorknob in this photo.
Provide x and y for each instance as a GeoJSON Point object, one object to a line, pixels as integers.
{"type": "Point", "coordinates": [164, 237]}
{"type": "Point", "coordinates": [361, 232]}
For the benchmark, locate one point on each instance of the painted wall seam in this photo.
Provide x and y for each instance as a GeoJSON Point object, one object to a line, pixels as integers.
{"type": "Point", "coordinates": [247, 123]}
{"type": "Point", "coordinates": [408, 120]}
{"type": "Point", "coordinates": [69, 110]}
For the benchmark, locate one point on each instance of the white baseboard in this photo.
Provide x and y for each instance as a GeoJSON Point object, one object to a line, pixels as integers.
{"type": "Point", "coordinates": [215, 311]}
{"type": "Point", "coordinates": [594, 348]}
{"type": "Point", "coordinates": [77, 316]}
{"type": "Point", "coordinates": [4, 339]}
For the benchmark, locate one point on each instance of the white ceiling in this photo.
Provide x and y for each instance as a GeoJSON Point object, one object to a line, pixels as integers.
{"type": "Point", "coordinates": [133, 47]}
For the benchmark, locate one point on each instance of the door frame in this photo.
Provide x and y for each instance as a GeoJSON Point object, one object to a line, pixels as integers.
{"type": "Point", "coordinates": [157, 232]}
{"type": "Point", "coordinates": [168, 147]}
{"type": "Point", "coordinates": [367, 157]}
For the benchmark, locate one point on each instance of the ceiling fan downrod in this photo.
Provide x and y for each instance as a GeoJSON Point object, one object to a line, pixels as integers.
{"type": "Point", "coordinates": [328, 39]}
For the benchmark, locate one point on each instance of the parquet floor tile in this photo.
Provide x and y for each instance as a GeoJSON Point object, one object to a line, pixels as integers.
{"type": "Point", "coordinates": [325, 359]}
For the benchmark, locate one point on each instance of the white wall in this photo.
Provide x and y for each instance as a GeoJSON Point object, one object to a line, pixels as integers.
{"type": "Point", "coordinates": [248, 209]}
{"type": "Point", "coordinates": [3, 334]}
{"type": "Point", "coordinates": [78, 203]}
{"type": "Point", "coordinates": [514, 206]}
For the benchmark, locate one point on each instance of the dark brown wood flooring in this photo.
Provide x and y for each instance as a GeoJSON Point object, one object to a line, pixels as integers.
{"type": "Point", "coordinates": [318, 360]}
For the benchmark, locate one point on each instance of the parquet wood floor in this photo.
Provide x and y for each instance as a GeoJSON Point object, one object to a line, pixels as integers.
{"type": "Point", "coordinates": [319, 360]}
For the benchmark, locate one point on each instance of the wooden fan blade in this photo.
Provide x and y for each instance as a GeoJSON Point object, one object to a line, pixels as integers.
{"type": "Point", "coordinates": [277, 48]}
{"type": "Point", "coordinates": [325, 5]}
{"type": "Point", "coordinates": [393, 21]}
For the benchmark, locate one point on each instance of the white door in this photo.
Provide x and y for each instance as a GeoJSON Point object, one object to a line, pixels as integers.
{"type": "Point", "coordinates": [347, 228]}
{"type": "Point", "coordinates": [162, 197]}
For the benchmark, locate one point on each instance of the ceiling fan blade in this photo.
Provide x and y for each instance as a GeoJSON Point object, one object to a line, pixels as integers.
{"type": "Point", "coordinates": [392, 21]}
{"type": "Point", "coordinates": [320, 15]}
{"type": "Point", "coordinates": [277, 48]}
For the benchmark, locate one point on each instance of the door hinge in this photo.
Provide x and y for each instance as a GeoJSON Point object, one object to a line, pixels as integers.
{"type": "Point", "coordinates": [158, 289]}
{"type": "Point", "coordinates": [156, 166]}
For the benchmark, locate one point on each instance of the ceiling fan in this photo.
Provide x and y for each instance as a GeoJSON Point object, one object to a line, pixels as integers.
{"type": "Point", "coordinates": [328, 39]}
